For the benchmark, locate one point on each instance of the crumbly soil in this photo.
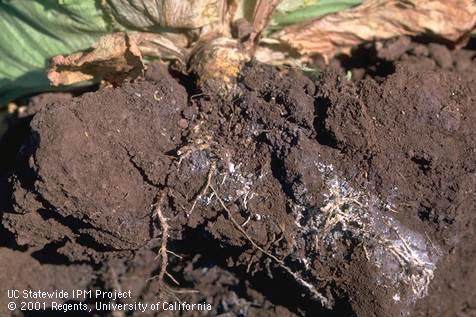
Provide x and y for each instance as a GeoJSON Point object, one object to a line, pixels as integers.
{"type": "Point", "coordinates": [345, 193]}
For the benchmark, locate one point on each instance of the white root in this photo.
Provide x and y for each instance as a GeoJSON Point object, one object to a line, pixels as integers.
{"type": "Point", "coordinates": [315, 293]}
{"type": "Point", "coordinates": [203, 191]}
{"type": "Point", "coordinates": [165, 235]}
{"type": "Point", "coordinates": [400, 254]}
{"type": "Point", "coordinates": [242, 193]}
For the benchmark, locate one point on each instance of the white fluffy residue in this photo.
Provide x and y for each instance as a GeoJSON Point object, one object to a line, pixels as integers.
{"type": "Point", "coordinates": [405, 259]}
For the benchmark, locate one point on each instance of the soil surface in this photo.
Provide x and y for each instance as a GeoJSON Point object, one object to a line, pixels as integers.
{"type": "Point", "coordinates": [350, 192]}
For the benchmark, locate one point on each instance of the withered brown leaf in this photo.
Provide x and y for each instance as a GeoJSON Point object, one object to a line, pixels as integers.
{"type": "Point", "coordinates": [378, 20]}
{"type": "Point", "coordinates": [114, 57]}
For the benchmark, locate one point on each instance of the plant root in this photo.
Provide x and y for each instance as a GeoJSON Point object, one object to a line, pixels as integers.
{"type": "Point", "coordinates": [196, 146]}
{"type": "Point", "coordinates": [163, 253]}
{"type": "Point", "coordinates": [315, 293]}
{"type": "Point", "coordinates": [387, 240]}
{"type": "Point", "coordinates": [201, 145]}
{"type": "Point", "coordinates": [240, 228]}
{"type": "Point", "coordinates": [203, 191]}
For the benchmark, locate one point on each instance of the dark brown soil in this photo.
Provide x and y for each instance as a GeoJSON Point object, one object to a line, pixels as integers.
{"type": "Point", "coordinates": [333, 197]}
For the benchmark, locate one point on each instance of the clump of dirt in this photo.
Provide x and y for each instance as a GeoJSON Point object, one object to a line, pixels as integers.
{"type": "Point", "coordinates": [296, 198]}
{"type": "Point", "coordinates": [31, 274]}
{"type": "Point", "coordinates": [97, 192]}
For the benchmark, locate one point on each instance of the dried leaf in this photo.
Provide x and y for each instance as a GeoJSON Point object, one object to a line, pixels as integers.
{"type": "Point", "coordinates": [262, 15]}
{"type": "Point", "coordinates": [113, 58]}
{"type": "Point", "coordinates": [146, 14]}
{"type": "Point", "coordinates": [268, 55]}
{"type": "Point", "coordinates": [379, 19]}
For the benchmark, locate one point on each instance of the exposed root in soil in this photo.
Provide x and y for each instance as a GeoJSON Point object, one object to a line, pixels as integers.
{"type": "Point", "coordinates": [240, 228]}
{"type": "Point", "coordinates": [314, 292]}
{"type": "Point", "coordinates": [365, 218]}
{"type": "Point", "coordinates": [230, 168]}
{"type": "Point", "coordinates": [163, 253]}
{"type": "Point", "coordinates": [204, 189]}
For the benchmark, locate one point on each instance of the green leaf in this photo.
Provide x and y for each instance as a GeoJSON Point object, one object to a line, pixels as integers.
{"type": "Point", "coordinates": [34, 31]}
{"type": "Point", "coordinates": [288, 14]}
